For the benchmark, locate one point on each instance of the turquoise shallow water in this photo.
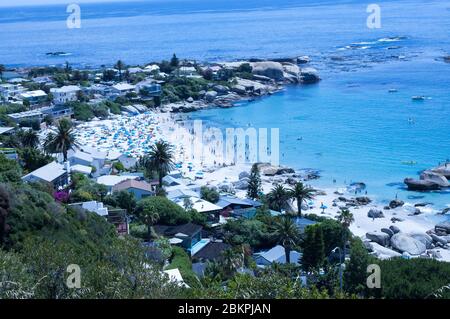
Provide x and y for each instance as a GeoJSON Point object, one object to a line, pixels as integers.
{"type": "Point", "coordinates": [353, 129]}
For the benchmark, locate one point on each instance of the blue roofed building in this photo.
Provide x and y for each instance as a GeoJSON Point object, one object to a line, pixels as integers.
{"type": "Point", "coordinates": [237, 207]}
{"type": "Point", "coordinates": [276, 255]}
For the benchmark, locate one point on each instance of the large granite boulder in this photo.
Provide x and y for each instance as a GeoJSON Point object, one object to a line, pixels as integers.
{"type": "Point", "coordinates": [387, 231]}
{"type": "Point", "coordinates": [435, 177]}
{"type": "Point", "coordinates": [363, 200]}
{"type": "Point", "coordinates": [271, 170]}
{"type": "Point", "coordinates": [424, 238]}
{"type": "Point", "coordinates": [421, 185]}
{"type": "Point", "coordinates": [443, 170]}
{"type": "Point", "coordinates": [375, 213]}
{"type": "Point", "coordinates": [291, 69]}
{"type": "Point", "coordinates": [210, 96]}
{"type": "Point", "coordinates": [241, 184]}
{"type": "Point", "coordinates": [244, 174]}
{"type": "Point", "coordinates": [303, 59]}
{"type": "Point", "coordinates": [239, 89]}
{"type": "Point", "coordinates": [221, 89]}
{"type": "Point", "coordinates": [395, 229]}
{"type": "Point", "coordinates": [405, 243]}
{"type": "Point", "coordinates": [379, 238]}
{"type": "Point", "coordinates": [226, 187]}
{"type": "Point", "coordinates": [291, 73]}
{"type": "Point", "coordinates": [443, 227]}
{"type": "Point", "coordinates": [309, 76]}
{"type": "Point", "coordinates": [396, 203]}
{"type": "Point", "coordinates": [270, 69]}
{"type": "Point", "coordinates": [439, 239]}
{"type": "Point", "coordinates": [382, 252]}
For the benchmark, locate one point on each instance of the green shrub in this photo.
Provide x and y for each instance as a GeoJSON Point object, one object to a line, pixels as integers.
{"type": "Point", "coordinates": [181, 260]}
{"type": "Point", "coordinates": [169, 212]}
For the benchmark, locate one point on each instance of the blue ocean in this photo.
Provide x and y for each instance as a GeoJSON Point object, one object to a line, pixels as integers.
{"type": "Point", "coordinates": [349, 126]}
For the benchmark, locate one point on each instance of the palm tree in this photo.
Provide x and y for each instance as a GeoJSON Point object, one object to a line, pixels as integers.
{"type": "Point", "coordinates": [62, 141]}
{"type": "Point", "coordinates": [278, 198]}
{"type": "Point", "coordinates": [301, 193]}
{"type": "Point", "coordinates": [187, 204]}
{"type": "Point", "coordinates": [120, 66]}
{"type": "Point", "coordinates": [345, 217]}
{"type": "Point", "coordinates": [28, 138]}
{"type": "Point", "coordinates": [231, 261]}
{"type": "Point", "coordinates": [2, 69]}
{"type": "Point", "coordinates": [150, 217]}
{"type": "Point", "coordinates": [286, 234]}
{"type": "Point", "coordinates": [160, 159]}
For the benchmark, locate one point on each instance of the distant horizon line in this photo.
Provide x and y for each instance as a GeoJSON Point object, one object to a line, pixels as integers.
{"type": "Point", "coordinates": [64, 3]}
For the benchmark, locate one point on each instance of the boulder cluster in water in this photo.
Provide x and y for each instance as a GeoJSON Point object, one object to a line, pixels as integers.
{"type": "Point", "coordinates": [433, 179]}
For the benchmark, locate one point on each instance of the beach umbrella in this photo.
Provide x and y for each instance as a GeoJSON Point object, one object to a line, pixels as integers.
{"type": "Point", "coordinates": [323, 207]}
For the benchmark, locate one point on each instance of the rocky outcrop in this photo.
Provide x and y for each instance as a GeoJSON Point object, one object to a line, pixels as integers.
{"type": "Point", "coordinates": [309, 76]}
{"type": "Point", "coordinates": [239, 89]}
{"type": "Point", "coordinates": [363, 200]}
{"type": "Point", "coordinates": [226, 187]}
{"type": "Point", "coordinates": [270, 170]}
{"type": "Point", "coordinates": [244, 174]}
{"type": "Point", "coordinates": [375, 213]}
{"type": "Point", "coordinates": [443, 170]}
{"type": "Point", "coordinates": [437, 178]}
{"type": "Point", "coordinates": [303, 59]}
{"type": "Point", "coordinates": [433, 179]}
{"type": "Point", "coordinates": [387, 231]}
{"type": "Point", "coordinates": [443, 227]}
{"type": "Point", "coordinates": [221, 89]}
{"type": "Point", "coordinates": [291, 73]}
{"type": "Point", "coordinates": [405, 243]}
{"type": "Point", "coordinates": [396, 203]}
{"type": "Point", "coordinates": [210, 96]}
{"type": "Point", "coordinates": [382, 252]}
{"type": "Point", "coordinates": [270, 69]}
{"type": "Point", "coordinates": [396, 219]}
{"type": "Point", "coordinates": [379, 238]}
{"type": "Point", "coordinates": [440, 240]}
{"type": "Point", "coordinates": [424, 238]}
{"type": "Point", "coordinates": [242, 184]}
{"type": "Point", "coordinates": [394, 229]}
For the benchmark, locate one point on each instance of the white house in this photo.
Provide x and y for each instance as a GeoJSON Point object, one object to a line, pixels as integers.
{"type": "Point", "coordinates": [34, 97]}
{"type": "Point", "coordinates": [82, 169]}
{"type": "Point", "coordinates": [95, 207]}
{"type": "Point", "coordinates": [200, 205]}
{"type": "Point", "coordinates": [151, 68]}
{"type": "Point", "coordinates": [57, 175]}
{"type": "Point", "coordinates": [65, 94]}
{"type": "Point", "coordinates": [81, 158]}
{"type": "Point", "coordinates": [135, 70]}
{"type": "Point", "coordinates": [8, 90]}
{"type": "Point", "coordinates": [187, 71]}
{"type": "Point", "coordinates": [123, 88]}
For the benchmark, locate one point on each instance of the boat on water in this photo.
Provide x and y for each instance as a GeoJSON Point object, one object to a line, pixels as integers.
{"type": "Point", "coordinates": [393, 90]}
{"type": "Point", "coordinates": [418, 98]}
